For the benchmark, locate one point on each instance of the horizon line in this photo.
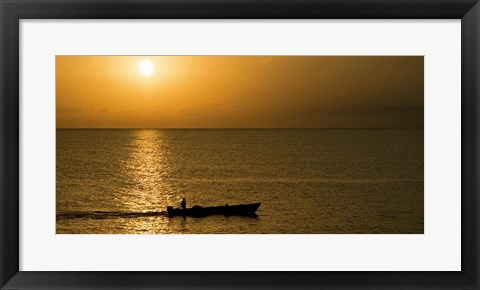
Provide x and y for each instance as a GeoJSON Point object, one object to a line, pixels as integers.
{"type": "Point", "coordinates": [235, 128]}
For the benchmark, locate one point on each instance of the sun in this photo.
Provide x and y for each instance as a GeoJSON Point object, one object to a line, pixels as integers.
{"type": "Point", "coordinates": [146, 67]}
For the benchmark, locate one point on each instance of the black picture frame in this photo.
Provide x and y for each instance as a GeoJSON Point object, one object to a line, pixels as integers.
{"type": "Point", "coordinates": [11, 11]}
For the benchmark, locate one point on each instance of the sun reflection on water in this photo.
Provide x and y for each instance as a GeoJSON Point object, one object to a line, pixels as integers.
{"type": "Point", "coordinates": [148, 188]}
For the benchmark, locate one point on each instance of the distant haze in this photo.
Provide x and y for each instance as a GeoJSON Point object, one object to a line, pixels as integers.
{"type": "Point", "coordinates": [239, 91]}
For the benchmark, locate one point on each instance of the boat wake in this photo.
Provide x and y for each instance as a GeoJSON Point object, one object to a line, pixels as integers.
{"type": "Point", "coordinates": [108, 214]}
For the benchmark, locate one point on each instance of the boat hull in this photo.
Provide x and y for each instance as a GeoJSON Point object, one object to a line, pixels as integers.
{"type": "Point", "coordinates": [227, 210]}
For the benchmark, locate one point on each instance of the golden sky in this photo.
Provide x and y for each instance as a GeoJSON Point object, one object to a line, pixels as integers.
{"type": "Point", "coordinates": [239, 91]}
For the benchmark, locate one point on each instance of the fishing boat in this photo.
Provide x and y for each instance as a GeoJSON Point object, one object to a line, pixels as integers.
{"type": "Point", "coordinates": [200, 211]}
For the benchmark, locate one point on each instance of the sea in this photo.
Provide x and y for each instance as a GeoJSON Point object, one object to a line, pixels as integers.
{"type": "Point", "coordinates": [308, 181]}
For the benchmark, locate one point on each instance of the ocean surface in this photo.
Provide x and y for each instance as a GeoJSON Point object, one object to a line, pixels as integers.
{"type": "Point", "coordinates": [309, 181]}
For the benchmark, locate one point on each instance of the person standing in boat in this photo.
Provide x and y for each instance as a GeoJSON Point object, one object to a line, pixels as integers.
{"type": "Point", "coordinates": [183, 204]}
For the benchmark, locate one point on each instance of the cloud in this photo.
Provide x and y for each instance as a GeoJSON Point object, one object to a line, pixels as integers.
{"type": "Point", "coordinates": [66, 109]}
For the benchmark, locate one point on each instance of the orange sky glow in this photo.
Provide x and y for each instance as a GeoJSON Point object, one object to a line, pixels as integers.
{"type": "Point", "coordinates": [239, 91]}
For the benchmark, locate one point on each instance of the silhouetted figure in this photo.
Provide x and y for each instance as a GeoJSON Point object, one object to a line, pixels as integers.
{"type": "Point", "coordinates": [183, 204]}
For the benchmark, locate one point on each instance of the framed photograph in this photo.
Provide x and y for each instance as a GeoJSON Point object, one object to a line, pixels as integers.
{"type": "Point", "coordinates": [238, 144]}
